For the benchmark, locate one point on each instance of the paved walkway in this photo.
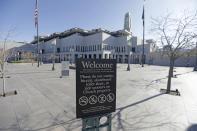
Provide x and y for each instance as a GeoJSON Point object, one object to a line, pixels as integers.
{"type": "Point", "coordinates": [47, 102]}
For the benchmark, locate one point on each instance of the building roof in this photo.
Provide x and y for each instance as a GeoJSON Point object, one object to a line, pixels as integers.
{"type": "Point", "coordinates": [81, 32]}
{"type": "Point", "coordinates": [20, 46]}
{"type": "Point", "coordinates": [11, 44]}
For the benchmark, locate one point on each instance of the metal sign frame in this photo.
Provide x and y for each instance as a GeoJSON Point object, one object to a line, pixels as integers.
{"type": "Point", "coordinates": [93, 123]}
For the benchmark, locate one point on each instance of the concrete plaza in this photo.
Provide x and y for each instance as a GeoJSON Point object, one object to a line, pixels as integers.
{"type": "Point", "coordinates": [46, 102]}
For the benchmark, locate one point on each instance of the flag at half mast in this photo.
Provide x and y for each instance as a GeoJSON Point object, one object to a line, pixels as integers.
{"type": "Point", "coordinates": [36, 14]}
{"type": "Point", "coordinates": [143, 13]}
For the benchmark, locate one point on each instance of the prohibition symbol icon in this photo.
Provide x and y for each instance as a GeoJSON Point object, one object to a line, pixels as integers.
{"type": "Point", "coordinates": [101, 98]}
{"type": "Point", "coordinates": [83, 101]}
{"type": "Point", "coordinates": [93, 99]}
{"type": "Point", "coordinates": [110, 97]}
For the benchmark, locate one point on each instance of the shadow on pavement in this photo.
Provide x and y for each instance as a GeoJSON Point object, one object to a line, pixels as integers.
{"type": "Point", "coordinates": [133, 104]}
{"type": "Point", "coordinates": [72, 123]}
{"type": "Point", "coordinates": [184, 73]}
{"type": "Point", "coordinates": [192, 127]}
{"type": "Point", "coordinates": [120, 121]}
{"type": "Point", "coordinates": [160, 79]}
{"type": "Point", "coordinates": [155, 81]}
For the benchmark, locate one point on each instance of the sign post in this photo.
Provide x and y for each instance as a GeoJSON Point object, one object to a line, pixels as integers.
{"type": "Point", "coordinates": [95, 91]}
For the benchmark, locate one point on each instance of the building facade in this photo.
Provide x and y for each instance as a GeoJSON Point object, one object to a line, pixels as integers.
{"type": "Point", "coordinates": [96, 43]}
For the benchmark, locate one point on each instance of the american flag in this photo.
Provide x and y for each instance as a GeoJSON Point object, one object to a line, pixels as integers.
{"type": "Point", "coordinates": [143, 13]}
{"type": "Point", "coordinates": [36, 14]}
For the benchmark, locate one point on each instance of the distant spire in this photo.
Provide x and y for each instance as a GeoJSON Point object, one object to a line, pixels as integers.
{"type": "Point", "coordinates": [127, 22]}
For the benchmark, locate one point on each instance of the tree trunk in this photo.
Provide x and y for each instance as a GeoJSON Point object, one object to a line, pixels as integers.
{"type": "Point", "coordinates": [170, 74]}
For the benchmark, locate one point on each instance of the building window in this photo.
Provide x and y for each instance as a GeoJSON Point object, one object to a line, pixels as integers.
{"type": "Point", "coordinates": [94, 56]}
{"type": "Point", "coordinates": [100, 56]}
{"type": "Point", "coordinates": [58, 50]}
{"type": "Point", "coordinates": [43, 51]}
{"type": "Point", "coordinates": [133, 49]}
{"type": "Point", "coordinates": [105, 56]}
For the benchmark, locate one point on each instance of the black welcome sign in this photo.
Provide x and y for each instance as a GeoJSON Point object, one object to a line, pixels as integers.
{"type": "Point", "coordinates": [95, 86]}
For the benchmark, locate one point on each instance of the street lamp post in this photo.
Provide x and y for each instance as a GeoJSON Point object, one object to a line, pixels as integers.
{"type": "Point", "coordinates": [53, 44]}
{"type": "Point", "coordinates": [40, 57]}
{"type": "Point", "coordinates": [129, 46]}
{"type": "Point", "coordinates": [18, 55]}
{"type": "Point", "coordinates": [71, 57]}
{"type": "Point", "coordinates": [195, 67]}
{"type": "Point", "coordinates": [15, 56]}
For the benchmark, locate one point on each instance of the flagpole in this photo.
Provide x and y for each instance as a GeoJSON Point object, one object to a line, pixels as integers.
{"type": "Point", "coordinates": [38, 52]}
{"type": "Point", "coordinates": [143, 35]}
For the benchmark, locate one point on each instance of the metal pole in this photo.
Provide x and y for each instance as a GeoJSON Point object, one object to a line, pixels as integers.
{"type": "Point", "coordinates": [15, 56]}
{"type": "Point", "coordinates": [38, 50]}
{"type": "Point", "coordinates": [3, 71]}
{"type": "Point", "coordinates": [143, 50]}
{"type": "Point", "coordinates": [72, 57]}
{"type": "Point", "coordinates": [53, 68]}
{"type": "Point", "coordinates": [128, 68]}
{"type": "Point", "coordinates": [195, 68]}
{"type": "Point", "coordinates": [18, 55]}
{"type": "Point", "coordinates": [143, 35]}
{"type": "Point", "coordinates": [40, 57]}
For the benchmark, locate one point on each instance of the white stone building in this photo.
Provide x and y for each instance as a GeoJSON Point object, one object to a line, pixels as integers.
{"type": "Point", "coordinates": [96, 43]}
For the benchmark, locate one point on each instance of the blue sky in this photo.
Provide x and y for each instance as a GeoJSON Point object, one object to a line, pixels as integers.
{"type": "Point", "coordinates": [60, 15]}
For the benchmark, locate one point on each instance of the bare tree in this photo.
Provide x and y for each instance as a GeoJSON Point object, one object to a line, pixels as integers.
{"type": "Point", "coordinates": [176, 35]}
{"type": "Point", "coordinates": [4, 55]}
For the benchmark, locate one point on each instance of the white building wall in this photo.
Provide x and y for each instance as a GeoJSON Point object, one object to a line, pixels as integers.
{"type": "Point", "coordinates": [98, 45]}
{"type": "Point", "coordinates": [70, 42]}
{"type": "Point", "coordinates": [93, 40]}
{"type": "Point", "coordinates": [46, 46]}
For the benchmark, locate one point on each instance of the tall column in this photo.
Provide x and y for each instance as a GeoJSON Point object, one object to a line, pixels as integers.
{"type": "Point", "coordinates": [73, 57]}
{"type": "Point", "coordinates": [97, 56]}
{"type": "Point", "coordinates": [103, 56]}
